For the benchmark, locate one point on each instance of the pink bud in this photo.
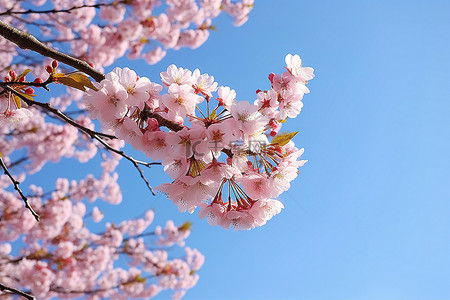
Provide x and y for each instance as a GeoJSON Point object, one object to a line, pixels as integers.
{"type": "Point", "coordinates": [152, 124]}
{"type": "Point", "coordinates": [12, 74]}
{"type": "Point", "coordinates": [29, 91]}
{"type": "Point", "coordinates": [55, 64]}
{"type": "Point", "coordinates": [49, 69]}
{"type": "Point", "coordinates": [271, 77]}
{"type": "Point", "coordinates": [38, 80]}
{"type": "Point", "coordinates": [7, 79]}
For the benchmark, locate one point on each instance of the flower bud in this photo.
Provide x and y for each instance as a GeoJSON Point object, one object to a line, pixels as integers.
{"type": "Point", "coordinates": [38, 80]}
{"type": "Point", "coordinates": [55, 64]}
{"type": "Point", "coordinates": [49, 69]}
{"type": "Point", "coordinates": [153, 124]}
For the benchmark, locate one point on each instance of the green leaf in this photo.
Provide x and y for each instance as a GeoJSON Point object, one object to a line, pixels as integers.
{"type": "Point", "coordinates": [283, 138]}
{"type": "Point", "coordinates": [140, 279]}
{"type": "Point", "coordinates": [28, 96]}
{"type": "Point", "coordinates": [18, 101]}
{"type": "Point", "coordinates": [76, 80]}
{"type": "Point", "coordinates": [186, 226]}
{"type": "Point", "coordinates": [213, 114]}
{"type": "Point", "coordinates": [24, 73]}
{"type": "Point", "coordinates": [284, 120]}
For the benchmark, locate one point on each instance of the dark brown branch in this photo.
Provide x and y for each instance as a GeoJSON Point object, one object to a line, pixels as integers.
{"type": "Point", "coordinates": [166, 123]}
{"type": "Point", "coordinates": [27, 41]}
{"type": "Point", "coordinates": [28, 83]}
{"type": "Point", "coordinates": [138, 236]}
{"type": "Point", "coordinates": [61, 291]}
{"type": "Point", "coordinates": [92, 134]}
{"type": "Point", "coordinates": [59, 114]}
{"type": "Point", "coordinates": [52, 11]}
{"type": "Point", "coordinates": [17, 162]}
{"type": "Point", "coordinates": [131, 159]}
{"type": "Point", "coordinates": [17, 188]}
{"type": "Point", "coordinates": [16, 291]}
{"type": "Point", "coordinates": [228, 152]}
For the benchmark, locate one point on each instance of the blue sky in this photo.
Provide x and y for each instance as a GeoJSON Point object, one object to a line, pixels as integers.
{"type": "Point", "coordinates": [369, 216]}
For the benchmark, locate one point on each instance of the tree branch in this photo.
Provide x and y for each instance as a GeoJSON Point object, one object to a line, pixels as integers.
{"type": "Point", "coordinates": [59, 114]}
{"type": "Point", "coordinates": [17, 188]}
{"type": "Point", "coordinates": [44, 84]}
{"type": "Point", "coordinates": [166, 123]}
{"type": "Point", "coordinates": [16, 291]}
{"type": "Point", "coordinates": [27, 41]}
{"type": "Point", "coordinates": [133, 161]}
{"type": "Point", "coordinates": [119, 285]}
{"type": "Point", "coordinates": [53, 11]}
{"type": "Point", "coordinates": [91, 133]}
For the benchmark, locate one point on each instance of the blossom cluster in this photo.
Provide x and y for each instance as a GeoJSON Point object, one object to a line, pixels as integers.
{"type": "Point", "coordinates": [102, 31]}
{"type": "Point", "coordinates": [60, 257]}
{"type": "Point", "coordinates": [224, 156]}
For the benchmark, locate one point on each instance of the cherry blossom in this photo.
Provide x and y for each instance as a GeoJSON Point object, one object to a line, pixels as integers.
{"type": "Point", "coordinates": [217, 148]}
{"type": "Point", "coordinates": [223, 156]}
{"type": "Point", "coordinates": [148, 27]}
{"type": "Point", "coordinates": [61, 257]}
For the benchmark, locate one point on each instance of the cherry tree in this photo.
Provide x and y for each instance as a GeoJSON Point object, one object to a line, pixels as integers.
{"type": "Point", "coordinates": [225, 157]}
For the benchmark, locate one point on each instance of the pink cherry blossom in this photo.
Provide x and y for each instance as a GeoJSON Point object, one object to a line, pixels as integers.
{"type": "Point", "coordinates": [15, 116]}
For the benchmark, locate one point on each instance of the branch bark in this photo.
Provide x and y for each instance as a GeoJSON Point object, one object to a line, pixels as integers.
{"type": "Point", "coordinates": [92, 134]}
{"type": "Point", "coordinates": [26, 41]}
{"type": "Point", "coordinates": [16, 291]}
{"type": "Point", "coordinates": [17, 188]}
{"type": "Point", "coordinates": [53, 11]}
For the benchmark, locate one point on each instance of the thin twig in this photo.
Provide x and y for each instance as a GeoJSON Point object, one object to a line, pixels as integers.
{"type": "Point", "coordinates": [59, 114]}
{"type": "Point", "coordinates": [133, 161]}
{"type": "Point", "coordinates": [53, 11]}
{"type": "Point", "coordinates": [28, 41]}
{"type": "Point", "coordinates": [91, 133]}
{"type": "Point", "coordinates": [17, 188]}
{"type": "Point", "coordinates": [19, 161]}
{"type": "Point", "coordinates": [61, 291]}
{"type": "Point", "coordinates": [44, 84]}
{"type": "Point", "coordinates": [138, 236]}
{"type": "Point", "coordinates": [16, 291]}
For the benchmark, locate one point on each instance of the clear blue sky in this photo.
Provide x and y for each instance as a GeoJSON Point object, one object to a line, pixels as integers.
{"type": "Point", "coordinates": [369, 216]}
